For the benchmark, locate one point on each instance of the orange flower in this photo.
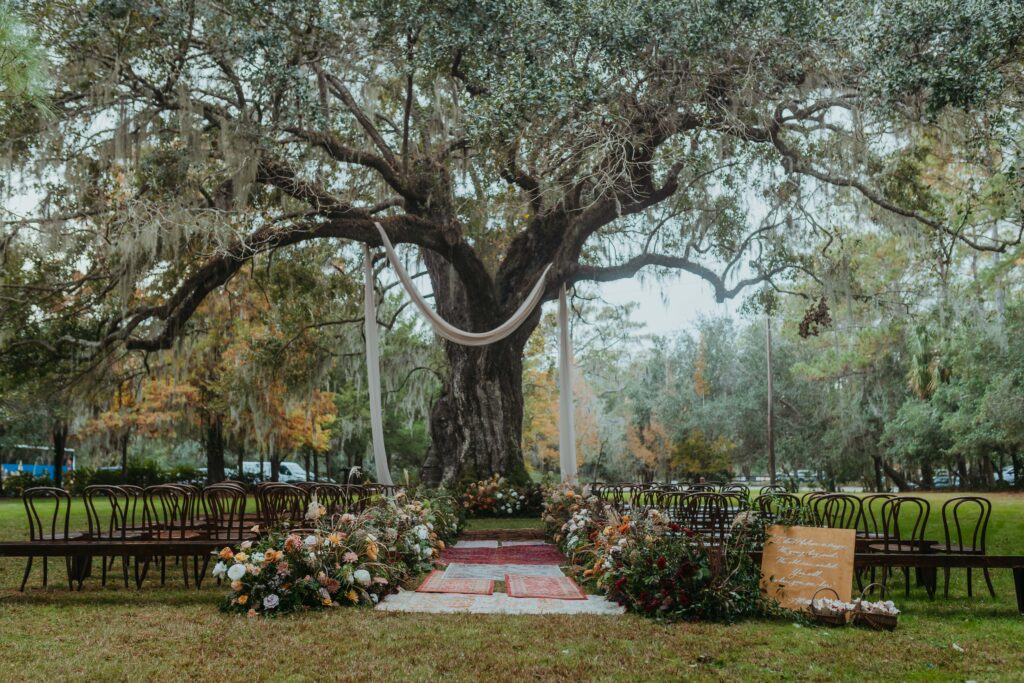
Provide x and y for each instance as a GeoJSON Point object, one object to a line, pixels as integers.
{"type": "Point", "coordinates": [242, 599]}
{"type": "Point", "coordinates": [226, 553]}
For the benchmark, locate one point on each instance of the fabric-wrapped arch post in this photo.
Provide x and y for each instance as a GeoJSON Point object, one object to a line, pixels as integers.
{"type": "Point", "coordinates": [567, 431]}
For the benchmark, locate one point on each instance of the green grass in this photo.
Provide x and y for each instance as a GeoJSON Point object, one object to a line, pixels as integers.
{"type": "Point", "coordinates": [482, 523]}
{"type": "Point", "coordinates": [177, 634]}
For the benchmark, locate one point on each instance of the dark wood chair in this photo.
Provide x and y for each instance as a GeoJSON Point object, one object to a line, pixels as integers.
{"type": "Point", "coordinates": [280, 504]}
{"type": "Point", "coordinates": [49, 514]}
{"type": "Point", "coordinates": [836, 511]}
{"type": "Point", "coordinates": [783, 508]}
{"type": "Point", "coordinates": [965, 527]}
{"type": "Point", "coordinates": [110, 524]}
{"type": "Point", "coordinates": [904, 521]}
{"type": "Point", "coordinates": [773, 488]}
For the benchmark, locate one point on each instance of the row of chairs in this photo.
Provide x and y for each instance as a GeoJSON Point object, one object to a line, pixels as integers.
{"type": "Point", "coordinates": [179, 512]}
{"type": "Point", "coordinates": [890, 523]}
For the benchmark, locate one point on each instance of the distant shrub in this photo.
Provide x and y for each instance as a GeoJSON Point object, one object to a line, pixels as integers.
{"type": "Point", "coordinates": [15, 484]}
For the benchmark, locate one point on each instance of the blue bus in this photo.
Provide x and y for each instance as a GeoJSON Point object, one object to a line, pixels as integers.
{"type": "Point", "coordinates": [34, 460]}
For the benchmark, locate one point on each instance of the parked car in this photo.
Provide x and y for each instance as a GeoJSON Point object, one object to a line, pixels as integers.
{"type": "Point", "coordinates": [287, 471]}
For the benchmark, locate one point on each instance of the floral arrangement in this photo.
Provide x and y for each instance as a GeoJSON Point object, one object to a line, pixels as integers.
{"type": "Point", "coordinates": [654, 566]}
{"type": "Point", "coordinates": [560, 503]}
{"type": "Point", "coordinates": [496, 497]}
{"type": "Point", "coordinates": [341, 560]}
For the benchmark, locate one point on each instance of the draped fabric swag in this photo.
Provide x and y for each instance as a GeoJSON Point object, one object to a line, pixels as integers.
{"type": "Point", "coordinates": [567, 431]}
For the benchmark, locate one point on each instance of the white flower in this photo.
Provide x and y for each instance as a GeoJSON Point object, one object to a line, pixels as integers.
{"type": "Point", "coordinates": [271, 601]}
{"type": "Point", "coordinates": [499, 496]}
{"type": "Point", "coordinates": [219, 570]}
{"type": "Point", "coordinates": [362, 576]}
{"type": "Point", "coordinates": [428, 551]}
{"type": "Point", "coordinates": [236, 572]}
{"type": "Point", "coordinates": [258, 557]}
{"type": "Point", "coordinates": [422, 532]}
{"type": "Point", "coordinates": [310, 540]}
{"type": "Point", "coordinates": [246, 545]}
{"type": "Point", "coordinates": [373, 596]}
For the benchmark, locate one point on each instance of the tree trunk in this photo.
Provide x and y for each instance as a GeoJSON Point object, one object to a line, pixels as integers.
{"type": "Point", "coordinates": [60, 441]}
{"type": "Point", "coordinates": [892, 473]}
{"type": "Point", "coordinates": [124, 453]}
{"type": "Point", "coordinates": [215, 449]}
{"type": "Point", "coordinates": [476, 425]}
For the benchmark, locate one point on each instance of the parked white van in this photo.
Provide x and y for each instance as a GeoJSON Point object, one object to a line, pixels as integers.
{"type": "Point", "coordinates": [288, 472]}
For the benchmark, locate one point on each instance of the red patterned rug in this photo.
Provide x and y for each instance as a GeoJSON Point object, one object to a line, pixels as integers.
{"type": "Point", "coordinates": [556, 587]}
{"type": "Point", "coordinates": [436, 583]}
{"type": "Point", "coordinates": [470, 555]}
{"type": "Point", "coordinates": [530, 554]}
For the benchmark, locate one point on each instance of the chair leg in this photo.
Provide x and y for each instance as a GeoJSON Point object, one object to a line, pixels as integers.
{"type": "Point", "coordinates": [103, 572]}
{"type": "Point", "coordinates": [970, 583]}
{"type": "Point", "coordinates": [183, 561]}
{"type": "Point", "coordinates": [163, 570]}
{"type": "Point", "coordinates": [28, 570]}
{"type": "Point", "coordinates": [906, 577]}
{"type": "Point", "coordinates": [988, 581]}
{"type": "Point", "coordinates": [945, 590]}
{"type": "Point", "coordinates": [72, 570]}
{"type": "Point", "coordinates": [45, 571]}
{"type": "Point", "coordinates": [124, 569]}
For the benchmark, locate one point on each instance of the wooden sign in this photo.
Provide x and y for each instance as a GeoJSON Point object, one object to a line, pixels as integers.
{"type": "Point", "coordinates": [799, 560]}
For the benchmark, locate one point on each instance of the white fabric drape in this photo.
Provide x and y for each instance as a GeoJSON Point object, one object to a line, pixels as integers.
{"type": "Point", "coordinates": [450, 332]}
{"type": "Point", "coordinates": [567, 427]}
{"type": "Point", "coordinates": [380, 458]}
{"type": "Point", "coordinates": [566, 412]}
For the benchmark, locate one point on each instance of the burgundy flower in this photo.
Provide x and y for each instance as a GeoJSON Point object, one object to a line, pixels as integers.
{"type": "Point", "coordinates": [662, 562]}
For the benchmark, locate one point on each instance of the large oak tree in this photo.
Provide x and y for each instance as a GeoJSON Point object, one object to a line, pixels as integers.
{"type": "Point", "coordinates": [718, 138]}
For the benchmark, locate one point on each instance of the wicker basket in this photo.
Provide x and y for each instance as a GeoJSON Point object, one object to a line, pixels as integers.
{"type": "Point", "coordinates": [877, 622]}
{"type": "Point", "coordinates": [826, 618]}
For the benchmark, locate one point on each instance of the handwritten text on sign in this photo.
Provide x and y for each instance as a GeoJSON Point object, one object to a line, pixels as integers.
{"type": "Point", "coordinates": [798, 561]}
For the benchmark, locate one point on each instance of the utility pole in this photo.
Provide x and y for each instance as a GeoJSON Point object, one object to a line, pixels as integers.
{"type": "Point", "coordinates": [771, 403]}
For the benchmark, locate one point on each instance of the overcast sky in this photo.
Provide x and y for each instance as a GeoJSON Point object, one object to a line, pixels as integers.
{"type": "Point", "coordinates": [668, 305]}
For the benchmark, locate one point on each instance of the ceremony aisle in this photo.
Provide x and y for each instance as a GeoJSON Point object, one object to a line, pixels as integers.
{"type": "Point", "coordinates": [492, 576]}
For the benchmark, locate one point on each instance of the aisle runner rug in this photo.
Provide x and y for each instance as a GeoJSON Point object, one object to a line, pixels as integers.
{"type": "Point", "coordinates": [476, 544]}
{"type": "Point", "coordinates": [497, 603]}
{"type": "Point", "coordinates": [555, 587]}
{"type": "Point", "coordinates": [470, 555]}
{"type": "Point", "coordinates": [506, 544]}
{"type": "Point", "coordinates": [497, 572]}
{"type": "Point", "coordinates": [437, 582]}
{"type": "Point", "coordinates": [515, 554]}
{"type": "Point", "coordinates": [530, 554]}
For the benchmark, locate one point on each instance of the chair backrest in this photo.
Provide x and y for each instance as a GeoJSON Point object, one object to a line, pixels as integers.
{"type": "Point", "coordinates": [773, 488]}
{"type": "Point", "coordinates": [225, 512]}
{"type": "Point", "coordinates": [702, 488]}
{"type": "Point", "coordinates": [107, 524]}
{"type": "Point", "coordinates": [280, 504]}
{"type": "Point", "coordinates": [673, 504]}
{"type": "Point", "coordinates": [778, 507]}
{"type": "Point", "coordinates": [965, 523]}
{"type": "Point", "coordinates": [708, 514]}
{"type": "Point", "coordinates": [737, 487]}
{"type": "Point", "coordinates": [648, 499]}
{"type": "Point", "coordinates": [168, 510]}
{"type": "Point", "coordinates": [870, 522]}
{"type": "Point", "coordinates": [836, 511]}
{"type": "Point", "coordinates": [904, 520]}
{"type": "Point", "coordinates": [49, 512]}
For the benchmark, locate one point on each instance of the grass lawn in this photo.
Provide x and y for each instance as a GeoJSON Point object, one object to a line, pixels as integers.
{"type": "Point", "coordinates": [175, 634]}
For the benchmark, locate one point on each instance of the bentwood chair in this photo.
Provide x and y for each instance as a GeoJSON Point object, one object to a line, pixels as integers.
{"type": "Point", "coordinates": [783, 508]}
{"type": "Point", "coordinates": [904, 520]}
{"type": "Point", "coordinates": [709, 515]}
{"type": "Point", "coordinates": [111, 524]}
{"type": "Point", "coordinates": [279, 504]}
{"type": "Point", "coordinates": [965, 526]}
{"type": "Point", "coordinates": [48, 510]}
{"type": "Point", "coordinates": [773, 488]}
{"type": "Point", "coordinates": [836, 511]}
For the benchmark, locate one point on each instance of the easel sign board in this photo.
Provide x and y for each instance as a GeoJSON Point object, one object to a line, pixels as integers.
{"type": "Point", "coordinates": [798, 561]}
